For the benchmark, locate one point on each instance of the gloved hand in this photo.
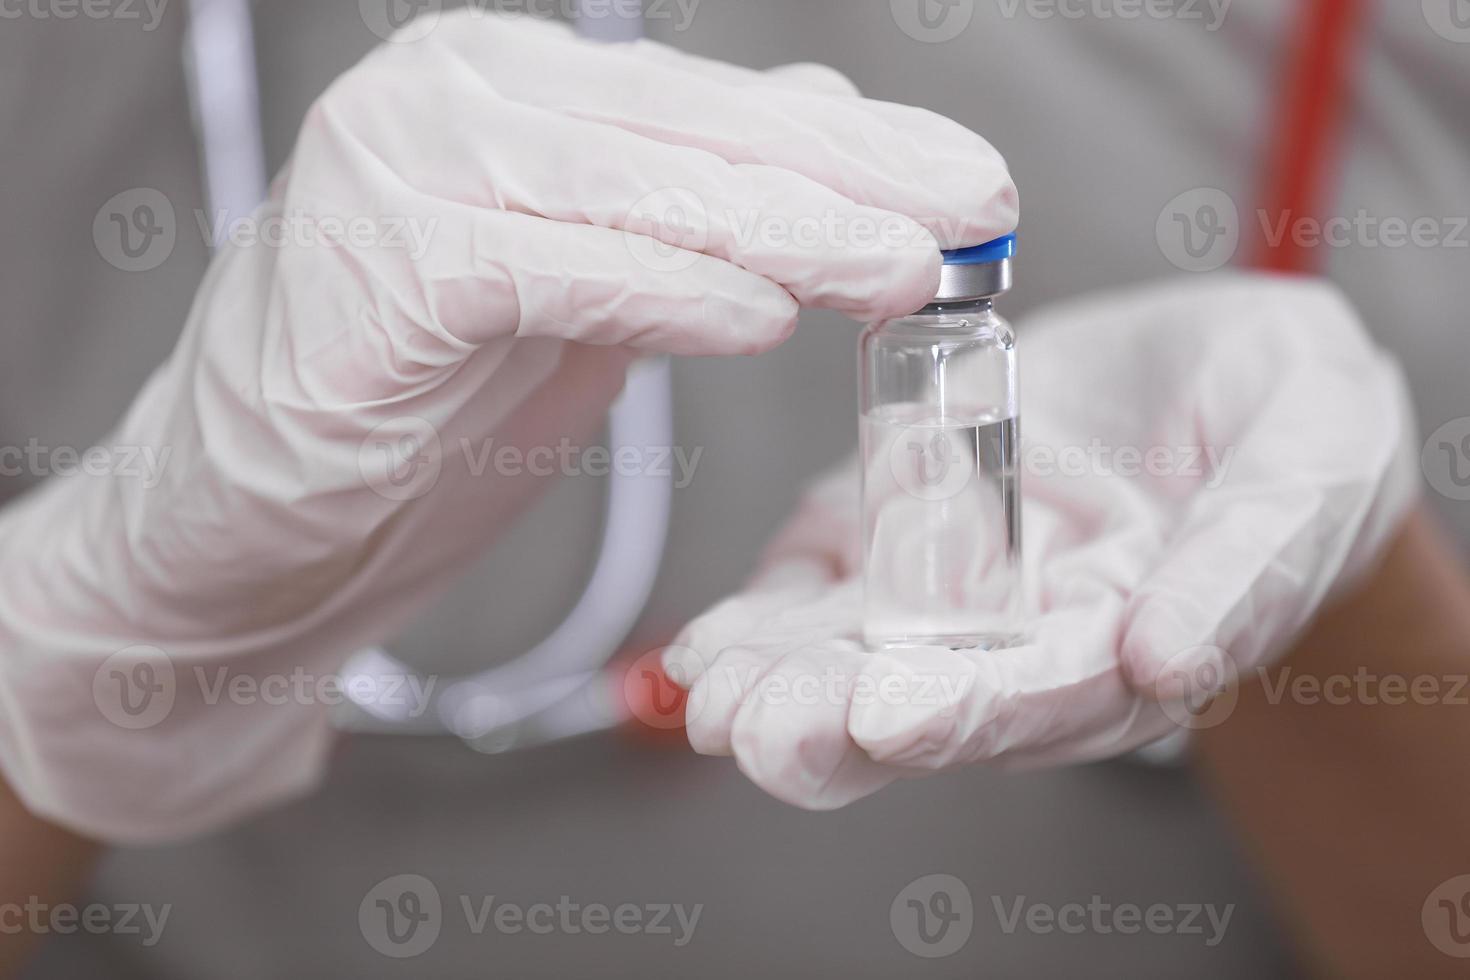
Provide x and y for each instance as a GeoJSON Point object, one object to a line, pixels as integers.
{"type": "Point", "coordinates": [1223, 456]}
{"type": "Point", "coordinates": [326, 410]}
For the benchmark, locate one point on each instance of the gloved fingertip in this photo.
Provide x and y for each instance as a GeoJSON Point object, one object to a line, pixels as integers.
{"type": "Point", "coordinates": [751, 325]}
{"type": "Point", "coordinates": [683, 664]}
{"type": "Point", "coordinates": [811, 775]}
{"type": "Point", "coordinates": [918, 273]}
{"type": "Point", "coordinates": [983, 204]}
{"type": "Point", "coordinates": [900, 280]}
{"type": "Point", "coordinates": [923, 709]}
{"type": "Point", "coordinates": [815, 77]}
{"type": "Point", "coordinates": [888, 734]}
{"type": "Point", "coordinates": [705, 739]}
{"type": "Point", "coordinates": [1166, 670]}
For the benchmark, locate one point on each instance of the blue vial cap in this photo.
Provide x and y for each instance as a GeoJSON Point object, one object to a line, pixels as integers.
{"type": "Point", "coordinates": [992, 251]}
{"type": "Point", "coordinates": [977, 272]}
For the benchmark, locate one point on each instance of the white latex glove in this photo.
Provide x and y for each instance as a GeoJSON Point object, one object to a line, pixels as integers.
{"type": "Point", "coordinates": [1147, 591]}
{"type": "Point", "coordinates": [316, 494]}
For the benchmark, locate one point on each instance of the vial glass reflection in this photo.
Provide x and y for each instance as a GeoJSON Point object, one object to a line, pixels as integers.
{"type": "Point", "coordinates": [941, 483]}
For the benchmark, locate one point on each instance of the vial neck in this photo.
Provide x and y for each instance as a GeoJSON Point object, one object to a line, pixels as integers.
{"type": "Point", "coordinates": [973, 305]}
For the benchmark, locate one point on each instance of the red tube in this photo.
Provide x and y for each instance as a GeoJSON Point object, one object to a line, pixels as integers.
{"type": "Point", "coordinates": [1304, 159]}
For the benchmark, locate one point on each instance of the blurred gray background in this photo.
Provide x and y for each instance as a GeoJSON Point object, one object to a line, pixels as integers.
{"type": "Point", "coordinates": [1103, 122]}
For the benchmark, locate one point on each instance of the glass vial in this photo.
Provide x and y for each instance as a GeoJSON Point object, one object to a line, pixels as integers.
{"type": "Point", "coordinates": [941, 518]}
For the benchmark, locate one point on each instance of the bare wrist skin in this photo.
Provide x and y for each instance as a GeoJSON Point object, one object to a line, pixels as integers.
{"type": "Point", "coordinates": [40, 863]}
{"type": "Point", "coordinates": [1344, 768]}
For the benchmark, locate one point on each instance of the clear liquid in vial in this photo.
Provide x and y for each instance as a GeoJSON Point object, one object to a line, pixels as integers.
{"type": "Point", "coordinates": [942, 529]}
